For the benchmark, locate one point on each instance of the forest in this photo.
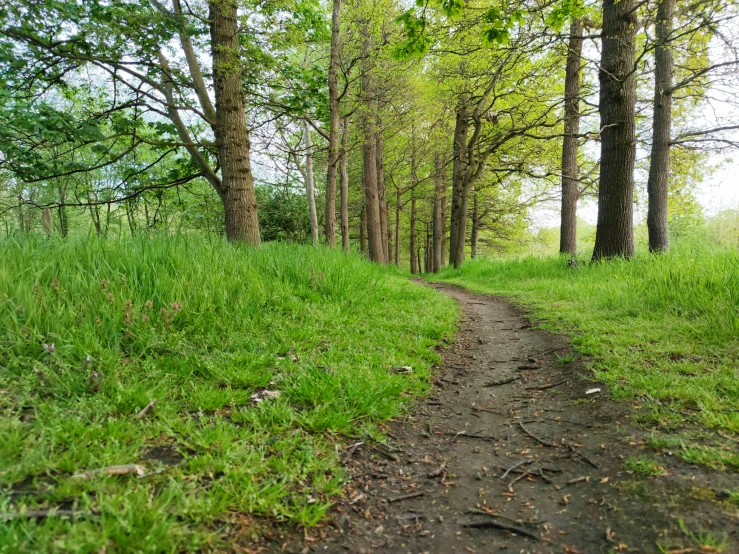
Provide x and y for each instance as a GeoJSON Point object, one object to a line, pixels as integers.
{"type": "Point", "coordinates": [369, 276]}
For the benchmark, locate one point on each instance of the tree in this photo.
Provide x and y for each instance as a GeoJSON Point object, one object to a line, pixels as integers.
{"type": "Point", "coordinates": [615, 234]}
{"type": "Point", "coordinates": [334, 122]}
{"type": "Point", "coordinates": [570, 169]}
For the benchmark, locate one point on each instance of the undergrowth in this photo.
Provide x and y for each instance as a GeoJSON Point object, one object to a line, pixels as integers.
{"type": "Point", "coordinates": [93, 331]}
{"type": "Point", "coordinates": [660, 329]}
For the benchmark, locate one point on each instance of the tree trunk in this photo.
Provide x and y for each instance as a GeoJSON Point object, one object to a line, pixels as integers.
{"type": "Point", "coordinates": [427, 251]}
{"type": "Point", "coordinates": [310, 193]}
{"type": "Point", "coordinates": [398, 198]}
{"type": "Point", "coordinates": [438, 224]}
{"type": "Point", "coordinates": [475, 228]}
{"type": "Point", "coordinates": [363, 231]}
{"type": "Point", "coordinates": [381, 197]}
{"type": "Point", "coordinates": [232, 134]}
{"type": "Point", "coordinates": [459, 212]}
{"type": "Point", "coordinates": [659, 165]}
{"type": "Point", "coordinates": [414, 267]}
{"type": "Point", "coordinates": [375, 237]}
{"type": "Point", "coordinates": [333, 133]}
{"type": "Point", "coordinates": [570, 189]}
{"type": "Point", "coordinates": [443, 227]}
{"type": "Point", "coordinates": [344, 186]}
{"type": "Point", "coordinates": [615, 233]}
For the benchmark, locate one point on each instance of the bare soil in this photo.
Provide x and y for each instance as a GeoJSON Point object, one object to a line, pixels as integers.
{"type": "Point", "coordinates": [509, 437]}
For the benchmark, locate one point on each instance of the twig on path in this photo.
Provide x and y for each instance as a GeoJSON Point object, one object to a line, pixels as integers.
{"type": "Point", "coordinates": [389, 455]}
{"type": "Point", "coordinates": [515, 466]}
{"type": "Point", "coordinates": [582, 456]}
{"type": "Point", "coordinates": [537, 439]}
{"type": "Point", "coordinates": [146, 409]}
{"type": "Point", "coordinates": [528, 366]}
{"type": "Point", "coordinates": [509, 488]}
{"type": "Point", "coordinates": [503, 526]}
{"type": "Point", "coordinates": [502, 381]}
{"type": "Point", "coordinates": [471, 436]}
{"type": "Point", "coordinates": [578, 480]}
{"type": "Point", "coordinates": [549, 386]}
{"type": "Point", "coordinates": [405, 497]}
{"type": "Point", "coordinates": [351, 450]}
{"type": "Point", "coordinates": [540, 473]}
{"type": "Point", "coordinates": [491, 514]}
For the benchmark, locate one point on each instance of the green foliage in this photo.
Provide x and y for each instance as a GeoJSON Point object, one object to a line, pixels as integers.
{"type": "Point", "coordinates": [643, 465]}
{"type": "Point", "coordinates": [283, 215]}
{"type": "Point", "coordinates": [93, 330]}
{"type": "Point", "coordinates": [661, 329]}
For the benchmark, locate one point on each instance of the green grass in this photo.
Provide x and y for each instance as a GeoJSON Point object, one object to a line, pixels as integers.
{"type": "Point", "coordinates": [663, 330]}
{"type": "Point", "coordinates": [643, 465]}
{"type": "Point", "coordinates": [200, 328]}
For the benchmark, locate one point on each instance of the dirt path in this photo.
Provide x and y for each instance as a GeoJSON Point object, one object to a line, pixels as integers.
{"type": "Point", "coordinates": [505, 403]}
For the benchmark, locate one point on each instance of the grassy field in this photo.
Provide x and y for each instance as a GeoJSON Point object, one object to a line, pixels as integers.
{"type": "Point", "coordinates": [92, 331]}
{"type": "Point", "coordinates": [661, 330]}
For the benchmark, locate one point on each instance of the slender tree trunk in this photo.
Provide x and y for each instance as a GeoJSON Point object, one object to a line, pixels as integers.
{"type": "Point", "coordinates": [363, 231]}
{"type": "Point", "coordinates": [443, 227]}
{"type": "Point", "coordinates": [475, 228]}
{"type": "Point", "coordinates": [310, 193]}
{"type": "Point", "coordinates": [615, 234]}
{"type": "Point", "coordinates": [232, 134]}
{"type": "Point", "coordinates": [343, 164]}
{"type": "Point", "coordinates": [376, 239]}
{"type": "Point", "coordinates": [398, 198]}
{"type": "Point", "coordinates": [570, 189]}
{"type": "Point", "coordinates": [381, 197]}
{"type": "Point", "coordinates": [438, 225]}
{"type": "Point", "coordinates": [418, 261]}
{"type": "Point", "coordinates": [659, 165]}
{"type": "Point", "coordinates": [414, 267]}
{"type": "Point", "coordinates": [427, 251]}
{"type": "Point", "coordinates": [459, 213]}
{"type": "Point", "coordinates": [334, 120]}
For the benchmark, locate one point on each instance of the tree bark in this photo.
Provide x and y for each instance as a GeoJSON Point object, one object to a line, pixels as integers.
{"type": "Point", "coordinates": [459, 213]}
{"type": "Point", "coordinates": [343, 164]}
{"type": "Point", "coordinates": [615, 234]}
{"type": "Point", "coordinates": [231, 131]}
{"type": "Point", "coordinates": [363, 231]}
{"type": "Point", "coordinates": [310, 193]}
{"type": "Point", "coordinates": [443, 228]}
{"type": "Point", "coordinates": [381, 197]}
{"type": "Point", "coordinates": [333, 133]}
{"type": "Point", "coordinates": [414, 267]}
{"type": "Point", "coordinates": [570, 189]}
{"type": "Point", "coordinates": [659, 165]}
{"type": "Point", "coordinates": [438, 224]}
{"type": "Point", "coordinates": [398, 198]}
{"type": "Point", "coordinates": [475, 228]}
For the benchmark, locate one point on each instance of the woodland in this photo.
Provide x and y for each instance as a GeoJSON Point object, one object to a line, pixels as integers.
{"type": "Point", "coordinates": [211, 209]}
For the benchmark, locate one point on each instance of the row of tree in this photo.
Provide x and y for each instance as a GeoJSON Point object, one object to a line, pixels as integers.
{"type": "Point", "coordinates": [435, 127]}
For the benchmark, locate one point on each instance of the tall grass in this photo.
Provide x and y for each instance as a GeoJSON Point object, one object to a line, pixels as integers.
{"type": "Point", "coordinates": [664, 329]}
{"type": "Point", "coordinates": [91, 331]}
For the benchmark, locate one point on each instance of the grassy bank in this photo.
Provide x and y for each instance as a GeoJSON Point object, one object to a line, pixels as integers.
{"type": "Point", "coordinates": [663, 330]}
{"type": "Point", "coordinates": [91, 332]}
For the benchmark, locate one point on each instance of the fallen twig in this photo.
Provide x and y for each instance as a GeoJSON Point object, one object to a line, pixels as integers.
{"type": "Point", "coordinates": [351, 450]}
{"type": "Point", "coordinates": [471, 436]}
{"type": "Point", "coordinates": [515, 466]}
{"type": "Point", "coordinates": [124, 469]}
{"type": "Point", "coordinates": [40, 514]}
{"type": "Point", "coordinates": [146, 409]}
{"type": "Point", "coordinates": [578, 480]}
{"type": "Point", "coordinates": [405, 497]}
{"type": "Point", "coordinates": [503, 526]}
{"type": "Point", "coordinates": [581, 455]}
{"type": "Point", "coordinates": [549, 386]}
{"type": "Point", "coordinates": [502, 381]}
{"type": "Point", "coordinates": [537, 439]}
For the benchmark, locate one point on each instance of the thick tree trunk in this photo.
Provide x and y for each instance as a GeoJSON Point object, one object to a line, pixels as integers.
{"type": "Point", "coordinates": [334, 120]}
{"type": "Point", "coordinates": [615, 233]}
{"type": "Point", "coordinates": [310, 193]}
{"type": "Point", "coordinates": [414, 267]}
{"type": "Point", "coordinates": [458, 228]}
{"type": "Point", "coordinates": [232, 134]}
{"type": "Point", "coordinates": [475, 228]}
{"type": "Point", "coordinates": [570, 189]}
{"type": "Point", "coordinates": [363, 231]}
{"type": "Point", "coordinates": [659, 165]}
{"type": "Point", "coordinates": [343, 164]}
{"type": "Point", "coordinates": [438, 223]}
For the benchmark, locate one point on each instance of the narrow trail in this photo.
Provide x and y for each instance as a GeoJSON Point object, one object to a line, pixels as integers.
{"type": "Point", "coordinates": [504, 403]}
